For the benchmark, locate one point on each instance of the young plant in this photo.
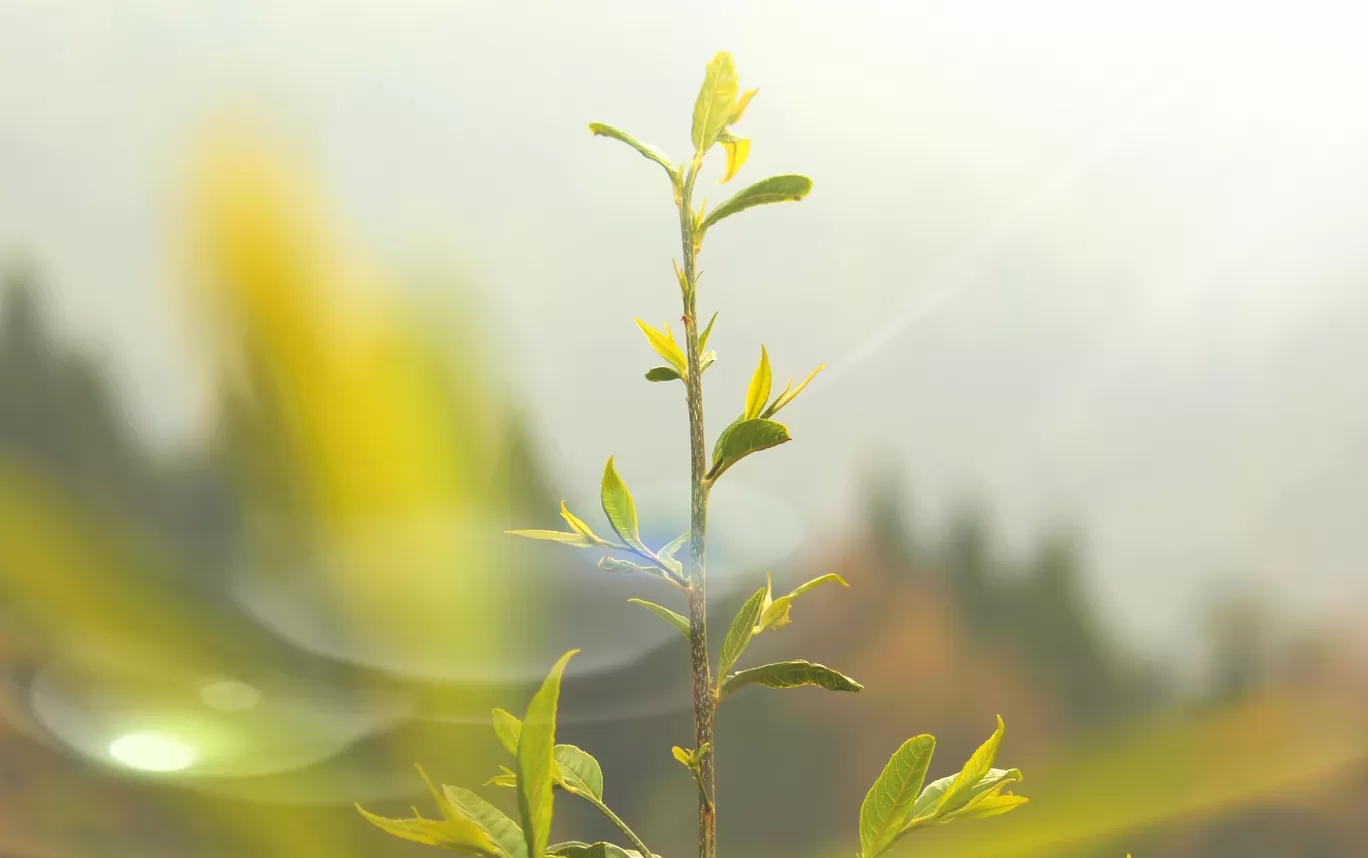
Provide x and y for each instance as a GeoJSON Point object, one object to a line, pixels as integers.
{"type": "Point", "coordinates": [899, 802]}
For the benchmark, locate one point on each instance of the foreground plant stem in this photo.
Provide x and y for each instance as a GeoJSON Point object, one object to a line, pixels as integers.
{"type": "Point", "coordinates": [622, 826]}
{"type": "Point", "coordinates": [704, 702]}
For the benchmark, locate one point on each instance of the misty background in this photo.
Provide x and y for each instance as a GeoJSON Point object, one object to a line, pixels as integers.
{"type": "Point", "coordinates": [1097, 265]}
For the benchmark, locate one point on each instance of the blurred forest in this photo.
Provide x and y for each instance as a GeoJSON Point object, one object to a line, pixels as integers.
{"type": "Point", "coordinates": [940, 624]}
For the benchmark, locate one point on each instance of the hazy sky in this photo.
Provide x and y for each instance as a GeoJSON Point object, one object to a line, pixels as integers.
{"type": "Point", "coordinates": [1099, 264]}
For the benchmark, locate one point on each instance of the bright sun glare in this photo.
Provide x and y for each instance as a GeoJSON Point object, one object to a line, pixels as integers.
{"type": "Point", "coordinates": [152, 751]}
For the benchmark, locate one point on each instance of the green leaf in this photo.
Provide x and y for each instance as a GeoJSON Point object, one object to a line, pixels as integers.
{"type": "Point", "coordinates": [758, 392]}
{"type": "Point", "coordinates": [684, 757]}
{"type": "Point", "coordinates": [536, 764]}
{"type": "Point", "coordinates": [927, 810]}
{"type": "Point", "coordinates": [578, 540]}
{"type": "Point", "coordinates": [459, 835]}
{"type": "Point", "coordinates": [776, 613]}
{"type": "Point", "coordinates": [654, 154]}
{"type": "Point", "coordinates": [742, 627]}
{"type": "Point", "coordinates": [681, 624]}
{"type": "Point", "coordinates": [888, 805]}
{"type": "Point", "coordinates": [790, 674]}
{"type": "Point", "coordinates": [506, 778]}
{"type": "Point", "coordinates": [707, 331]}
{"type": "Point", "coordinates": [667, 554]}
{"type": "Point", "coordinates": [578, 771]}
{"type": "Point", "coordinates": [508, 728]}
{"type": "Point", "coordinates": [962, 788]}
{"type": "Point", "coordinates": [785, 397]}
{"type": "Point", "coordinates": [663, 373]}
{"type": "Point", "coordinates": [612, 564]}
{"type": "Point", "coordinates": [503, 830]}
{"type": "Point", "coordinates": [592, 850]}
{"type": "Point", "coordinates": [665, 346]}
{"type": "Point", "coordinates": [717, 105]}
{"type": "Point", "coordinates": [706, 360]}
{"type": "Point", "coordinates": [775, 189]}
{"type": "Point", "coordinates": [741, 439]}
{"type": "Point", "coordinates": [619, 507]}
{"type": "Point", "coordinates": [577, 525]}
{"type": "Point", "coordinates": [993, 805]}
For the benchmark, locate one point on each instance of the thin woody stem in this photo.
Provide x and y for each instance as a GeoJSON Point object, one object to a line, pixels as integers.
{"type": "Point", "coordinates": [704, 701]}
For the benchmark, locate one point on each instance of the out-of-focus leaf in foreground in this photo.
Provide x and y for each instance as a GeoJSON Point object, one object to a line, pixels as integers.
{"type": "Point", "coordinates": [1121, 782]}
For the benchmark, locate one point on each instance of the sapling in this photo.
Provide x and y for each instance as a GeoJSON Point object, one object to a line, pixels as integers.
{"type": "Point", "coordinates": [899, 802]}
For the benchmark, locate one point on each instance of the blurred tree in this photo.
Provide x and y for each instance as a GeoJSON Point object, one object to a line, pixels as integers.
{"type": "Point", "coordinates": [57, 411]}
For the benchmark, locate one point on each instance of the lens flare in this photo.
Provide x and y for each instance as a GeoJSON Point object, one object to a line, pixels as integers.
{"type": "Point", "coordinates": [152, 751]}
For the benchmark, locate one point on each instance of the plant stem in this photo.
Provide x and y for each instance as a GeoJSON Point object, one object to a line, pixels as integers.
{"type": "Point", "coordinates": [703, 701]}
{"type": "Point", "coordinates": [613, 818]}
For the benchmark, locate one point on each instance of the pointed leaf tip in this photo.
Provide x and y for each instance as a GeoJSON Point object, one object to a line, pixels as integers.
{"type": "Point", "coordinates": [664, 345]}
{"type": "Point", "coordinates": [790, 674]}
{"type": "Point", "coordinates": [776, 189]}
{"type": "Point", "coordinates": [743, 438]}
{"type": "Point", "coordinates": [716, 102]}
{"type": "Point", "coordinates": [776, 614]}
{"type": "Point", "coordinates": [620, 508]}
{"type": "Point", "coordinates": [888, 806]}
{"type": "Point", "coordinates": [599, 129]}
{"type": "Point", "coordinates": [676, 621]}
{"type": "Point", "coordinates": [536, 763]}
{"type": "Point", "coordinates": [758, 392]}
{"type": "Point", "coordinates": [739, 635]}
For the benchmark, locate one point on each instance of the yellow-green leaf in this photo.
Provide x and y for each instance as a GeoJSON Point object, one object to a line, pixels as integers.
{"type": "Point", "coordinates": [578, 540]}
{"type": "Point", "coordinates": [758, 392]}
{"type": "Point", "coordinates": [619, 507]}
{"type": "Point", "coordinates": [707, 332]}
{"type": "Point", "coordinates": [790, 674]}
{"type": "Point", "coordinates": [679, 274]}
{"type": "Point", "coordinates": [741, 439]}
{"type": "Point", "coordinates": [503, 830]}
{"type": "Point", "coordinates": [458, 835]}
{"type": "Point", "coordinates": [665, 346]}
{"type": "Point", "coordinates": [926, 810]}
{"type": "Point", "coordinates": [576, 524]}
{"type": "Point", "coordinates": [685, 758]}
{"type": "Point", "coordinates": [578, 772]}
{"type": "Point", "coordinates": [784, 398]}
{"type": "Point", "coordinates": [537, 767]}
{"type": "Point", "coordinates": [593, 850]}
{"type": "Point", "coordinates": [505, 778]}
{"type": "Point", "coordinates": [776, 613]}
{"type": "Point", "coordinates": [680, 624]}
{"type": "Point", "coordinates": [887, 807]}
{"type": "Point", "coordinates": [738, 149]}
{"type": "Point", "coordinates": [654, 154]}
{"type": "Point", "coordinates": [739, 635]}
{"type": "Point", "coordinates": [739, 110]}
{"type": "Point", "coordinates": [508, 728]}
{"type": "Point", "coordinates": [612, 564]}
{"type": "Point", "coordinates": [776, 189]}
{"type": "Point", "coordinates": [667, 553]}
{"type": "Point", "coordinates": [716, 102]}
{"type": "Point", "coordinates": [962, 788]}
{"type": "Point", "coordinates": [993, 805]}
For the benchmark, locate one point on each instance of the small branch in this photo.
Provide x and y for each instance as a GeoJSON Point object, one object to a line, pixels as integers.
{"type": "Point", "coordinates": [622, 826]}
